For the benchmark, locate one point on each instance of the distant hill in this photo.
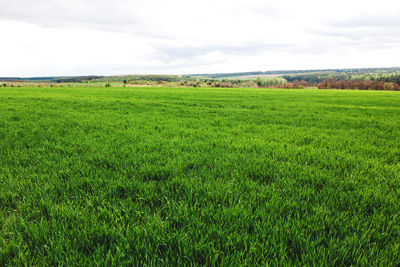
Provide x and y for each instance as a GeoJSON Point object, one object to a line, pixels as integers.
{"type": "Point", "coordinates": [285, 72]}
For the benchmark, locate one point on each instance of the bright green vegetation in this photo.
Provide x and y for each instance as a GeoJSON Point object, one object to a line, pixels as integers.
{"type": "Point", "coordinates": [168, 176]}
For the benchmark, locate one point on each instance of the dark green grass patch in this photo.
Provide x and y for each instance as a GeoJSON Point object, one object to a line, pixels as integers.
{"type": "Point", "coordinates": [180, 176]}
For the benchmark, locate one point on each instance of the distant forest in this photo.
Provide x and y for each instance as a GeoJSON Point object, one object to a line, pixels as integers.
{"type": "Point", "coordinates": [299, 72]}
{"type": "Point", "coordinates": [318, 78]}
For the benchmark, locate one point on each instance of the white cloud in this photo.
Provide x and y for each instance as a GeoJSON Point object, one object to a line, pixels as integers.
{"type": "Point", "coordinates": [79, 37]}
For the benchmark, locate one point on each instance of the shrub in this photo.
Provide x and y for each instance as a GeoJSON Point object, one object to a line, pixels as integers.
{"type": "Point", "coordinates": [226, 85]}
{"type": "Point", "coordinates": [358, 85]}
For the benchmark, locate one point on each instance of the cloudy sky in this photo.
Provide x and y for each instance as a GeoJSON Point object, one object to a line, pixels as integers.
{"type": "Point", "coordinates": [106, 37]}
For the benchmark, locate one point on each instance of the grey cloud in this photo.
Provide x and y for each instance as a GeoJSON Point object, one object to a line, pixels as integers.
{"type": "Point", "coordinates": [168, 53]}
{"type": "Point", "coordinates": [356, 35]}
{"type": "Point", "coordinates": [370, 21]}
{"type": "Point", "coordinates": [363, 32]}
{"type": "Point", "coordinates": [102, 15]}
{"type": "Point", "coordinates": [126, 16]}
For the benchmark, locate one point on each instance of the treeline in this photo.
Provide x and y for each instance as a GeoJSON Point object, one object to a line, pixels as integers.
{"type": "Point", "coordinates": [218, 83]}
{"type": "Point", "coordinates": [264, 82]}
{"type": "Point", "coordinates": [270, 81]}
{"type": "Point", "coordinates": [315, 78]}
{"type": "Point", "coordinates": [64, 79]}
{"type": "Point", "coordinates": [133, 78]}
{"type": "Point", "coordinates": [320, 77]}
{"type": "Point", "coordinates": [156, 78]}
{"type": "Point", "coordinates": [358, 85]}
{"type": "Point", "coordinates": [254, 73]}
{"type": "Point", "coordinates": [297, 85]}
{"type": "Point", "coordinates": [299, 72]}
{"type": "Point", "coordinates": [391, 78]}
{"type": "Point", "coordinates": [77, 79]}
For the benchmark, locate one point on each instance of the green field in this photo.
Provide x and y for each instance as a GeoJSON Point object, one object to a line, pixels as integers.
{"type": "Point", "coordinates": [179, 176]}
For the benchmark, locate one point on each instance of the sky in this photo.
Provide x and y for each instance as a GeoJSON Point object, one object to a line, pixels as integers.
{"type": "Point", "coordinates": [115, 37]}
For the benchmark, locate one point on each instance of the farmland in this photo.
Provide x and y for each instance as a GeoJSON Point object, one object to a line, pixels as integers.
{"type": "Point", "coordinates": [179, 176]}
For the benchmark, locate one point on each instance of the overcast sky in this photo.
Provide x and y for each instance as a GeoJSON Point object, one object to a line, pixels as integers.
{"type": "Point", "coordinates": [81, 37]}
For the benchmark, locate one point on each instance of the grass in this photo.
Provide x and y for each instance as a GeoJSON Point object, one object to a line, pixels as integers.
{"type": "Point", "coordinates": [181, 176]}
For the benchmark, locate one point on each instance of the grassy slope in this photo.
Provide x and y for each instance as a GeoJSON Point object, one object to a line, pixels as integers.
{"type": "Point", "coordinates": [183, 175]}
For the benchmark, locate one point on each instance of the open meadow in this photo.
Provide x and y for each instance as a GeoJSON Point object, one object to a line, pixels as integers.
{"type": "Point", "coordinates": [207, 176]}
